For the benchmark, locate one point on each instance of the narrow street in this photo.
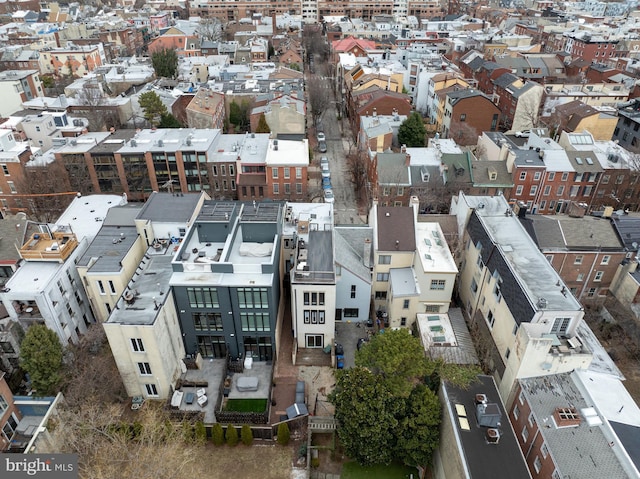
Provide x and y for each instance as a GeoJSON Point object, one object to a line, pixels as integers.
{"type": "Point", "coordinates": [338, 136]}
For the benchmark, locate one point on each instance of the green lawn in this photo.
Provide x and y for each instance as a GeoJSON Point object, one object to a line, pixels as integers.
{"type": "Point", "coordinates": [353, 470]}
{"type": "Point", "coordinates": [246, 405]}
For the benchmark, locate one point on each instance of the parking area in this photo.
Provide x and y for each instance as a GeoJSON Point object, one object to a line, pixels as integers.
{"type": "Point", "coordinates": [347, 334]}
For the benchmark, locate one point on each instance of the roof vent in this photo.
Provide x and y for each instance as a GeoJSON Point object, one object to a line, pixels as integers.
{"type": "Point", "coordinates": [493, 436]}
{"type": "Point", "coordinates": [488, 415]}
{"type": "Point", "coordinates": [542, 303]}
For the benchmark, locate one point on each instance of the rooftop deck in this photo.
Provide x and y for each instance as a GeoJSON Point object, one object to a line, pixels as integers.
{"type": "Point", "coordinates": [45, 247]}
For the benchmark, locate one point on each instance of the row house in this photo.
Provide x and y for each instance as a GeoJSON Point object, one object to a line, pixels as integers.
{"type": "Point", "coordinates": [591, 48]}
{"type": "Point", "coordinates": [577, 116]}
{"type": "Point", "coordinates": [128, 41]}
{"type": "Point", "coordinates": [473, 65]}
{"type": "Point", "coordinates": [466, 114]}
{"type": "Point", "coordinates": [390, 178]}
{"type": "Point", "coordinates": [626, 131]}
{"type": "Point", "coordinates": [519, 101]}
{"type": "Point", "coordinates": [515, 302]}
{"type": "Point", "coordinates": [379, 133]}
{"type": "Point", "coordinates": [236, 11]}
{"type": "Point", "coordinates": [77, 61]}
{"type": "Point", "coordinates": [286, 163]}
{"type": "Point", "coordinates": [585, 251]}
{"type": "Point", "coordinates": [17, 87]}
{"type": "Point", "coordinates": [375, 100]}
{"type": "Point", "coordinates": [13, 157]}
{"type": "Point", "coordinates": [593, 94]}
{"type": "Point", "coordinates": [19, 57]}
{"type": "Point", "coordinates": [206, 110]}
{"type": "Point", "coordinates": [562, 418]}
{"type": "Point", "coordinates": [437, 83]}
{"type": "Point", "coordinates": [181, 37]}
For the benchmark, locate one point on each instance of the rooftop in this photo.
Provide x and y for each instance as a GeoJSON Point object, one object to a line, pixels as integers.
{"type": "Point", "coordinates": [84, 216]}
{"type": "Point", "coordinates": [170, 207]}
{"type": "Point", "coordinates": [482, 459]}
{"type": "Point", "coordinates": [433, 250]}
{"type": "Point", "coordinates": [580, 450]}
{"type": "Point", "coordinates": [395, 229]}
{"type": "Point", "coordinates": [446, 336]}
{"type": "Point", "coordinates": [287, 153]}
{"type": "Point", "coordinates": [171, 140]}
{"type": "Point", "coordinates": [108, 249]}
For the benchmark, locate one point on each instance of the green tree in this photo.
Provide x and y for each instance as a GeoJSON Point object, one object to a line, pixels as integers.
{"type": "Point", "coordinates": [397, 358]}
{"type": "Point", "coordinates": [412, 131]}
{"type": "Point", "coordinates": [295, 66]}
{"type": "Point", "coordinates": [263, 126]}
{"type": "Point", "coordinates": [246, 435]}
{"type": "Point", "coordinates": [231, 435]}
{"type": "Point", "coordinates": [283, 434]}
{"type": "Point", "coordinates": [169, 121]}
{"type": "Point", "coordinates": [239, 115]}
{"type": "Point", "coordinates": [165, 63]}
{"type": "Point", "coordinates": [419, 429]}
{"type": "Point", "coordinates": [41, 357]}
{"type": "Point", "coordinates": [366, 412]}
{"type": "Point", "coordinates": [235, 114]}
{"type": "Point", "coordinates": [217, 434]}
{"type": "Point", "coordinates": [153, 107]}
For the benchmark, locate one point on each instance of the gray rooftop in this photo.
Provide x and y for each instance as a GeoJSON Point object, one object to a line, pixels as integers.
{"type": "Point", "coordinates": [403, 282]}
{"type": "Point", "coordinates": [564, 233]}
{"type": "Point", "coordinates": [149, 297]}
{"type": "Point", "coordinates": [350, 249]}
{"type": "Point", "coordinates": [581, 451]}
{"type": "Point", "coordinates": [320, 257]}
{"type": "Point", "coordinates": [12, 232]}
{"type": "Point", "coordinates": [393, 169]}
{"type": "Point", "coordinates": [464, 352]}
{"type": "Point", "coordinates": [169, 207]}
{"type": "Point", "coordinates": [108, 248]}
{"type": "Point", "coordinates": [395, 229]}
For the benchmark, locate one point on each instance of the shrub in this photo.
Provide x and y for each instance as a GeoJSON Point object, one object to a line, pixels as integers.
{"type": "Point", "coordinates": [232, 435]}
{"type": "Point", "coordinates": [217, 434]}
{"type": "Point", "coordinates": [246, 435]}
{"type": "Point", "coordinates": [200, 433]}
{"type": "Point", "coordinates": [283, 434]}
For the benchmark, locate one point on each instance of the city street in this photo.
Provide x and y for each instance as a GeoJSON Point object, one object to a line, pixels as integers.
{"type": "Point", "coordinates": [338, 137]}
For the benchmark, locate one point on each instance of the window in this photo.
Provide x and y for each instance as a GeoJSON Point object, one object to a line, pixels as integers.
{"type": "Point", "coordinates": [578, 259]}
{"type": "Point", "coordinates": [137, 345]}
{"type": "Point", "coordinates": [203, 297]}
{"type": "Point", "coordinates": [463, 117]}
{"type": "Point", "coordinates": [255, 321]}
{"type": "Point", "coordinates": [382, 277]}
{"type": "Point", "coordinates": [400, 191]}
{"type": "Point", "coordinates": [543, 205]}
{"type": "Point", "coordinates": [474, 285]}
{"type": "Point", "coordinates": [4, 405]}
{"type": "Point", "coordinates": [544, 450]}
{"type": "Point", "coordinates": [314, 340]}
{"type": "Point", "coordinates": [5, 170]}
{"type": "Point", "coordinates": [605, 259]}
{"type": "Point", "coordinates": [101, 287]}
{"type": "Point", "coordinates": [605, 179]}
{"type": "Point", "coordinates": [253, 298]}
{"type": "Point", "coordinates": [532, 420]}
{"type": "Point", "coordinates": [598, 276]}
{"type": "Point", "coordinates": [10, 427]}
{"type": "Point", "coordinates": [276, 189]}
{"type": "Point", "coordinates": [525, 433]}
{"type": "Point", "coordinates": [533, 190]}
{"type": "Point", "coordinates": [491, 319]}
{"type": "Point", "coordinates": [523, 175]}
{"type": "Point", "coordinates": [580, 277]}
{"type": "Point", "coordinates": [431, 308]}
{"type": "Point", "coordinates": [521, 397]}
{"type": "Point", "coordinates": [384, 259]}
{"type": "Point", "coordinates": [274, 173]}
{"type": "Point", "coordinates": [560, 325]}
{"type": "Point", "coordinates": [507, 353]}
{"type": "Point", "coordinates": [298, 188]}
{"type": "Point", "coordinates": [403, 321]}
{"type": "Point", "coordinates": [381, 295]}
{"type": "Point", "coordinates": [12, 187]}
{"type": "Point", "coordinates": [591, 293]}
{"type": "Point", "coordinates": [537, 465]}
{"type": "Point", "coordinates": [112, 287]}
{"type": "Point", "coordinates": [519, 190]}
{"type": "Point", "coordinates": [405, 304]}
{"type": "Point", "coordinates": [560, 190]}
{"type": "Point", "coordinates": [207, 321]}
{"type": "Point", "coordinates": [552, 176]}
{"type": "Point", "coordinates": [353, 291]}
{"type": "Point", "coordinates": [152, 391]}
{"type": "Point", "coordinates": [438, 284]}
{"type": "Point", "coordinates": [287, 173]}
{"type": "Point", "coordinates": [536, 176]}
{"type": "Point", "coordinates": [555, 475]}
{"type": "Point", "coordinates": [145, 369]}
{"type": "Point", "coordinates": [516, 412]}
{"type": "Point", "coordinates": [547, 190]}
{"type": "Point", "coordinates": [565, 176]}
{"type": "Point", "coordinates": [298, 173]}
{"type": "Point", "coordinates": [350, 312]}
{"type": "Point", "coordinates": [287, 188]}
{"type": "Point", "coordinates": [232, 170]}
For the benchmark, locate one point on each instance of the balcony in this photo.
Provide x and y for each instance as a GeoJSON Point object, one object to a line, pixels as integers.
{"type": "Point", "coordinates": [45, 247]}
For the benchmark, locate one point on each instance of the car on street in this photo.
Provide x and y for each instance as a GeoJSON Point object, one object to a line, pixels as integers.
{"type": "Point", "coordinates": [325, 171]}
{"type": "Point", "coordinates": [326, 184]}
{"type": "Point", "coordinates": [523, 133]}
{"type": "Point", "coordinates": [321, 136]}
{"type": "Point", "coordinates": [324, 161]}
{"type": "Point", "coordinates": [339, 349]}
{"type": "Point", "coordinates": [328, 196]}
{"type": "Point", "coordinates": [322, 146]}
{"type": "Point", "coordinates": [361, 342]}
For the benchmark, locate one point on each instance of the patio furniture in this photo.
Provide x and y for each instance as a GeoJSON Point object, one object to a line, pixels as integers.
{"type": "Point", "coordinates": [247, 383]}
{"type": "Point", "coordinates": [203, 400]}
{"type": "Point", "coordinates": [189, 397]}
{"type": "Point", "coordinates": [176, 399]}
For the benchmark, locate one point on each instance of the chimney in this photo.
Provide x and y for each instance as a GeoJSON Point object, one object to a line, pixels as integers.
{"type": "Point", "coordinates": [414, 202]}
{"type": "Point", "coordinates": [403, 149]}
{"type": "Point", "coordinates": [367, 253]}
{"type": "Point", "coordinates": [375, 112]}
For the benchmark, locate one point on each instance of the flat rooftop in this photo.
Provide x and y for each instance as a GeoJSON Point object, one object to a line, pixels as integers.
{"type": "Point", "coordinates": [433, 249]}
{"type": "Point", "coordinates": [169, 207]}
{"type": "Point", "coordinates": [86, 214]}
{"type": "Point", "coordinates": [109, 248]}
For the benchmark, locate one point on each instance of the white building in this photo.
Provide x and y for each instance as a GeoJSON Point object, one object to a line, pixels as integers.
{"type": "Point", "coordinates": [354, 260]}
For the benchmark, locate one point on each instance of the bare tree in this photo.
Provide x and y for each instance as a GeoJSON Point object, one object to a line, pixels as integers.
{"type": "Point", "coordinates": [46, 191]}
{"type": "Point", "coordinates": [93, 103]}
{"type": "Point", "coordinates": [528, 112]}
{"type": "Point", "coordinates": [463, 133]}
{"type": "Point", "coordinates": [210, 29]}
{"type": "Point", "coordinates": [319, 96]}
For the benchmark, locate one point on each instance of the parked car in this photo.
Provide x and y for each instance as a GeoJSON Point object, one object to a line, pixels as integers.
{"type": "Point", "coordinates": [325, 171]}
{"type": "Point", "coordinates": [361, 342]}
{"type": "Point", "coordinates": [321, 136]}
{"type": "Point", "coordinates": [340, 361]}
{"type": "Point", "coordinates": [324, 161]}
{"type": "Point", "coordinates": [328, 196]}
{"type": "Point", "coordinates": [523, 133]}
{"type": "Point", "coordinates": [322, 146]}
{"type": "Point", "coordinates": [326, 183]}
{"type": "Point", "coordinates": [339, 349]}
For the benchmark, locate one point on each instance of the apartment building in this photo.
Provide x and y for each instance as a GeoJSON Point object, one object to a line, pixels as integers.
{"type": "Point", "coordinates": [517, 304]}
{"type": "Point", "coordinates": [309, 228]}
{"type": "Point", "coordinates": [286, 163]}
{"type": "Point", "coordinates": [47, 288]}
{"type": "Point", "coordinates": [77, 61]}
